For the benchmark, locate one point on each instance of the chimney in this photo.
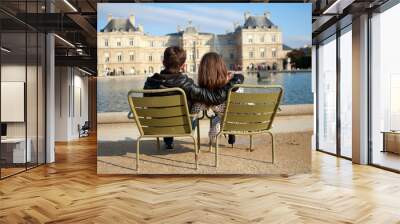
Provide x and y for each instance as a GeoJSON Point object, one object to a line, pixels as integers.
{"type": "Point", "coordinates": [235, 25]}
{"type": "Point", "coordinates": [140, 27]}
{"type": "Point", "coordinates": [109, 17]}
{"type": "Point", "coordinates": [132, 19]}
{"type": "Point", "coordinates": [267, 14]}
{"type": "Point", "coordinates": [246, 15]}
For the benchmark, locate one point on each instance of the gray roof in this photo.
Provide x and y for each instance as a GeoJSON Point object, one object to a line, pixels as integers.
{"type": "Point", "coordinates": [258, 21]}
{"type": "Point", "coordinates": [188, 30]}
{"type": "Point", "coordinates": [180, 33]}
{"type": "Point", "coordinates": [119, 25]}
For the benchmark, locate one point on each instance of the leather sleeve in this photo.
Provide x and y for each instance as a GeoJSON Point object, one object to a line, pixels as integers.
{"type": "Point", "coordinates": [203, 95]}
{"type": "Point", "coordinates": [210, 97]}
{"type": "Point", "coordinates": [236, 79]}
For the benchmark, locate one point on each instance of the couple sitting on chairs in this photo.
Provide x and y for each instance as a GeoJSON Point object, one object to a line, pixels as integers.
{"type": "Point", "coordinates": [170, 98]}
{"type": "Point", "coordinates": [214, 83]}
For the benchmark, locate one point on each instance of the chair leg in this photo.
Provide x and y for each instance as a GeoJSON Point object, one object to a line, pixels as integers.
{"type": "Point", "coordinates": [137, 153]}
{"type": "Point", "coordinates": [198, 135]}
{"type": "Point", "coordinates": [216, 150]}
{"type": "Point", "coordinates": [158, 144]}
{"type": "Point", "coordinates": [273, 146]}
{"type": "Point", "coordinates": [251, 143]}
{"type": "Point", "coordinates": [196, 155]}
{"type": "Point", "coordinates": [210, 142]}
{"type": "Point", "coordinates": [211, 139]}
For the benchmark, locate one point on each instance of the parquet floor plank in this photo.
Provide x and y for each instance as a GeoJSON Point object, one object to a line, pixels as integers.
{"type": "Point", "coordinates": [70, 191]}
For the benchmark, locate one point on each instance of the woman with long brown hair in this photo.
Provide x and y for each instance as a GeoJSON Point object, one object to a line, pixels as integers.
{"type": "Point", "coordinates": [212, 75]}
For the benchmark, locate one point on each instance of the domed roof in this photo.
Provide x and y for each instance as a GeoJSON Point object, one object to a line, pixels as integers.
{"type": "Point", "coordinates": [258, 21]}
{"type": "Point", "coordinates": [121, 25]}
{"type": "Point", "coordinates": [190, 29]}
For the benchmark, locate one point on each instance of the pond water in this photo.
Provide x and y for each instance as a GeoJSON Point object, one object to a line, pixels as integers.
{"type": "Point", "coordinates": [112, 91]}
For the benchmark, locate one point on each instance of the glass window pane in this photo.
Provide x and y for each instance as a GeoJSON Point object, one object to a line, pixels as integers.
{"type": "Point", "coordinates": [327, 96]}
{"type": "Point", "coordinates": [41, 98]}
{"type": "Point", "coordinates": [32, 97]}
{"type": "Point", "coordinates": [346, 94]}
{"type": "Point", "coordinates": [13, 87]}
{"type": "Point", "coordinates": [23, 86]}
{"type": "Point", "coordinates": [385, 84]}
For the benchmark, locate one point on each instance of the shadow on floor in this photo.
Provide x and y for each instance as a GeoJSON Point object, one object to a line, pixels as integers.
{"type": "Point", "coordinates": [147, 147]}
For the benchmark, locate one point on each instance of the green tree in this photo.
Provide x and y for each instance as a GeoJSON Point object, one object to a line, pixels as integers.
{"type": "Point", "coordinates": [301, 58]}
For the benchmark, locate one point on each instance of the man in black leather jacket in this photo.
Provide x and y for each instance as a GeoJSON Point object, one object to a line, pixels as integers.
{"type": "Point", "coordinates": [171, 76]}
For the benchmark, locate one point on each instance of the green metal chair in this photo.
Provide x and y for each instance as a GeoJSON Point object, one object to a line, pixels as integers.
{"type": "Point", "coordinates": [161, 113]}
{"type": "Point", "coordinates": [251, 112]}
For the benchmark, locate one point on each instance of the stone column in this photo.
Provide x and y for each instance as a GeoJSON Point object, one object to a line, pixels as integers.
{"type": "Point", "coordinates": [360, 90]}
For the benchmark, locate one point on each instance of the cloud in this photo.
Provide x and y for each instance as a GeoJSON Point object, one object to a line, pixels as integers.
{"type": "Point", "coordinates": [174, 15]}
{"type": "Point", "coordinates": [160, 19]}
{"type": "Point", "coordinates": [208, 19]}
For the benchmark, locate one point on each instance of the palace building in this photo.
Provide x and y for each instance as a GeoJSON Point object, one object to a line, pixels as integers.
{"type": "Point", "coordinates": [125, 49]}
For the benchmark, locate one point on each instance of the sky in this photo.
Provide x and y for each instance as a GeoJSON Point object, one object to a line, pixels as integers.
{"type": "Point", "coordinates": [293, 19]}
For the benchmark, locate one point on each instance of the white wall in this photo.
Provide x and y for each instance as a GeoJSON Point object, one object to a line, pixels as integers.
{"type": "Point", "coordinates": [14, 73]}
{"type": "Point", "coordinates": [71, 87]}
{"type": "Point", "coordinates": [33, 125]}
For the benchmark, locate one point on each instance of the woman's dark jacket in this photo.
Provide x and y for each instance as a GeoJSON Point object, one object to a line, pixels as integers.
{"type": "Point", "coordinates": [194, 93]}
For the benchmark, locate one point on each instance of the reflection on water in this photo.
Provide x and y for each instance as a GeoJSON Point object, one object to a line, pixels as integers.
{"type": "Point", "coordinates": [112, 92]}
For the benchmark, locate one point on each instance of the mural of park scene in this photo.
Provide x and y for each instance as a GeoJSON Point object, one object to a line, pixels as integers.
{"type": "Point", "coordinates": [263, 127]}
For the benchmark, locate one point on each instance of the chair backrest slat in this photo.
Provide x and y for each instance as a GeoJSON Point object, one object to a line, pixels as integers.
{"type": "Point", "coordinates": [160, 112]}
{"type": "Point", "coordinates": [163, 122]}
{"type": "Point", "coordinates": [244, 118]}
{"type": "Point", "coordinates": [252, 112]}
{"type": "Point", "coordinates": [252, 98]}
{"type": "Point", "coordinates": [252, 108]}
{"type": "Point", "coordinates": [159, 101]}
{"type": "Point", "coordinates": [165, 131]}
{"type": "Point", "coordinates": [245, 126]}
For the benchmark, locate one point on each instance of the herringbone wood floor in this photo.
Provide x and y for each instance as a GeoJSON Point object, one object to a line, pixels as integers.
{"type": "Point", "coordinates": [69, 191]}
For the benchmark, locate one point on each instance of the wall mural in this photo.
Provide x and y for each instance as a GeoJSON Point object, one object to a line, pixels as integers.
{"type": "Point", "coordinates": [204, 88]}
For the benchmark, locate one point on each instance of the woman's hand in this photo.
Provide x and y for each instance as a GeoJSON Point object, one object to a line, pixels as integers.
{"type": "Point", "coordinates": [230, 76]}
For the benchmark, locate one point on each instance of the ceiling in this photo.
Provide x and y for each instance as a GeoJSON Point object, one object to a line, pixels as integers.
{"type": "Point", "coordinates": [75, 21]}
{"type": "Point", "coordinates": [329, 15]}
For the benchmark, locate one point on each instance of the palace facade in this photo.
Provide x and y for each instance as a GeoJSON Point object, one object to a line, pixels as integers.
{"type": "Point", "coordinates": [125, 49]}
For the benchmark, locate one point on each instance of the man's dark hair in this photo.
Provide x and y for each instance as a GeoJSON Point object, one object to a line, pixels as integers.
{"type": "Point", "coordinates": [174, 58]}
